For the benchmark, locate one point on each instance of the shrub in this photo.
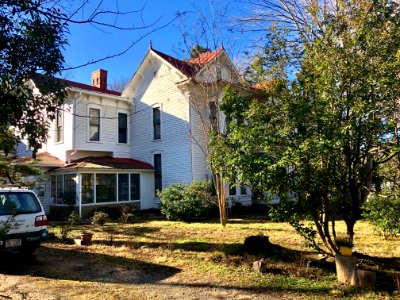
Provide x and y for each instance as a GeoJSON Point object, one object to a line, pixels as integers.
{"type": "Point", "coordinates": [99, 218]}
{"type": "Point", "coordinates": [126, 213]}
{"type": "Point", "coordinates": [382, 210]}
{"type": "Point", "coordinates": [73, 218]}
{"type": "Point", "coordinates": [186, 202]}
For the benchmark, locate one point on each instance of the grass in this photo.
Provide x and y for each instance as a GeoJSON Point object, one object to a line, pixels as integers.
{"type": "Point", "coordinates": [207, 255]}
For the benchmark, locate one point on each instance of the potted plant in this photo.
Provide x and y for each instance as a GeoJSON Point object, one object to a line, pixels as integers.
{"type": "Point", "coordinates": [345, 245]}
{"type": "Point", "coordinates": [86, 238]}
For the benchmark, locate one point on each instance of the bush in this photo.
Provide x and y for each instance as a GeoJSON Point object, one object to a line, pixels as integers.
{"type": "Point", "coordinates": [99, 218]}
{"type": "Point", "coordinates": [74, 218]}
{"type": "Point", "coordinates": [382, 210]}
{"type": "Point", "coordinates": [186, 202]}
{"type": "Point", "coordinates": [126, 213]}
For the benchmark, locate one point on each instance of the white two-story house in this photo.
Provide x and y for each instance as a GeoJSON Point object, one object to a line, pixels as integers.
{"type": "Point", "coordinates": [110, 148]}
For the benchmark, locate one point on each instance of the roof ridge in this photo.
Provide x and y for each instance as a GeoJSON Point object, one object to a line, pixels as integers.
{"type": "Point", "coordinates": [192, 66]}
{"type": "Point", "coordinates": [89, 87]}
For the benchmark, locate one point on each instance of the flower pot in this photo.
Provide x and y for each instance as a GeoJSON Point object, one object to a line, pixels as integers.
{"type": "Point", "coordinates": [86, 238]}
{"type": "Point", "coordinates": [345, 251]}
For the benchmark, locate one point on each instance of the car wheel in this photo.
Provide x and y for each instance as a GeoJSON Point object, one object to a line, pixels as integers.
{"type": "Point", "coordinates": [27, 250]}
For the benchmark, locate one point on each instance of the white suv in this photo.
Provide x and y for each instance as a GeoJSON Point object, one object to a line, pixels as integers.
{"type": "Point", "coordinates": [23, 223]}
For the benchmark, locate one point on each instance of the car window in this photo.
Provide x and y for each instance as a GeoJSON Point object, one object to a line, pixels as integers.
{"type": "Point", "coordinates": [18, 203]}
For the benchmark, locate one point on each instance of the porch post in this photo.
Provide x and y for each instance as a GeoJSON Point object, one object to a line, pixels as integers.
{"type": "Point", "coordinates": [79, 187]}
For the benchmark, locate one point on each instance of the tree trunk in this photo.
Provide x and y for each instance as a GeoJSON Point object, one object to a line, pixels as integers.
{"type": "Point", "coordinates": [346, 269]}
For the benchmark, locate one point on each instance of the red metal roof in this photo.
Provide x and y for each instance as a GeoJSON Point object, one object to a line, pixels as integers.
{"type": "Point", "coordinates": [107, 162]}
{"type": "Point", "coordinates": [192, 66]}
{"type": "Point", "coordinates": [205, 58]}
{"type": "Point", "coordinates": [42, 159]}
{"type": "Point", "coordinates": [83, 86]}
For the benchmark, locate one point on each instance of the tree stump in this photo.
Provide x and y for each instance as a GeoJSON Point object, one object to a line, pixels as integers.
{"type": "Point", "coordinates": [346, 269]}
{"type": "Point", "coordinates": [366, 278]}
{"type": "Point", "coordinates": [259, 266]}
{"type": "Point", "coordinates": [257, 244]}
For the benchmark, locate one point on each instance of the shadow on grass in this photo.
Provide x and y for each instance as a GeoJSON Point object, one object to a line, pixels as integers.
{"type": "Point", "coordinates": [275, 252]}
{"type": "Point", "coordinates": [81, 266]}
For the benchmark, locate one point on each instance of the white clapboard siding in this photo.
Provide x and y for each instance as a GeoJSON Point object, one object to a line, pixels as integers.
{"type": "Point", "coordinates": [158, 87]}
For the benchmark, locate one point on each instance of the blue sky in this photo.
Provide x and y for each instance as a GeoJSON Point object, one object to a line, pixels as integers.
{"type": "Point", "coordinates": [87, 42]}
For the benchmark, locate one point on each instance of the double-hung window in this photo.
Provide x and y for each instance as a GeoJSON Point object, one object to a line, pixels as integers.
{"type": "Point", "coordinates": [156, 123]}
{"type": "Point", "coordinates": [94, 124]}
{"type": "Point", "coordinates": [213, 115]}
{"type": "Point", "coordinates": [122, 128]}
{"type": "Point", "coordinates": [59, 126]}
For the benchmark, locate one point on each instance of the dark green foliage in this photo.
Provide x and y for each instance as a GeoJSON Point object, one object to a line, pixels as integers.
{"type": "Point", "coordinates": [99, 218]}
{"type": "Point", "coordinates": [74, 218]}
{"type": "Point", "coordinates": [31, 42]}
{"type": "Point", "coordinates": [16, 174]}
{"type": "Point", "coordinates": [322, 126]}
{"type": "Point", "coordinates": [289, 211]}
{"type": "Point", "coordinates": [186, 202]}
{"type": "Point", "coordinates": [197, 50]}
{"type": "Point", "coordinates": [5, 226]}
{"type": "Point", "coordinates": [383, 211]}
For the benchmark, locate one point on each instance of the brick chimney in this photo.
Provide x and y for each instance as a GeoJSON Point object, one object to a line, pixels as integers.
{"type": "Point", "coordinates": [99, 79]}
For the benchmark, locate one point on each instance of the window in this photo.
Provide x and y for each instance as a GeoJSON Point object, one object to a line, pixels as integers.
{"type": "Point", "coordinates": [63, 189]}
{"type": "Point", "coordinates": [156, 123]}
{"type": "Point", "coordinates": [94, 124]}
{"type": "Point", "coordinates": [232, 190]}
{"type": "Point", "coordinates": [213, 115]}
{"type": "Point", "coordinates": [87, 188]}
{"type": "Point", "coordinates": [59, 127]}
{"type": "Point", "coordinates": [106, 188]}
{"type": "Point", "coordinates": [69, 194]}
{"type": "Point", "coordinates": [122, 128]}
{"type": "Point", "coordinates": [18, 203]}
{"type": "Point", "coordinates": [243, 190]}
{"type": "Point", "coordinates": [59, 189]}
{"type": "Point", "coordinates": [157, 173]}
{"type": "Point", "coordinates": [135, 187]}
{"type": "Point", "coordinates": [227, 124]}
{"type": "Point", "coordinates": [123, 187]}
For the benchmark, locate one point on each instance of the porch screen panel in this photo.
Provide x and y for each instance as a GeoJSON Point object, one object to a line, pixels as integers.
{"type": "Point", "coordinates": [106, 190]}
{"type": "Point", "coordinates": [59, 189]}
{"type": "Point", "coordinates": [123, 187]}
{"type": "Point", "coordinates": [87, 188]}
{"type": "Point", "coordinates": [69, 195]}
{"type": "Point", "coordinates": [135, 186]}
{"type": "Point", "coordinates": [53, 181]}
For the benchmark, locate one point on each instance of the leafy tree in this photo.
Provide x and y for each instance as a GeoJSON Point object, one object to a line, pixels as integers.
{"type": "Point", "coordinates": [197, 50]}
{"type": "Point", "coordinates": [31, 40]}
{"type": "Point", "coordinates": [321, 134]}
{"type": "Point", "coordinates": [16, 173]}
{"type": "Point", "coordinates": [32, 37]}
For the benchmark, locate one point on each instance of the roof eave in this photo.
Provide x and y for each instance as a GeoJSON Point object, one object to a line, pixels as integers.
{"type": "Point", "coordinates": [98, 94]}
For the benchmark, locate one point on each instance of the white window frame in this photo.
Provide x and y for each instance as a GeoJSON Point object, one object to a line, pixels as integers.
{"type": "Point", "coordinates": [57, 126]}
{"type": "Point", "coordinates": [127, 126]}
{"type": "Point", "coordinates": [159, 106]}
{"type": "Point", "coordinates": [88, 123]}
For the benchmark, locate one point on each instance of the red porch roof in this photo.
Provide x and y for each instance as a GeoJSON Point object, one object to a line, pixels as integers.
{"type": "Point", "coordinates": [107, 162]}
